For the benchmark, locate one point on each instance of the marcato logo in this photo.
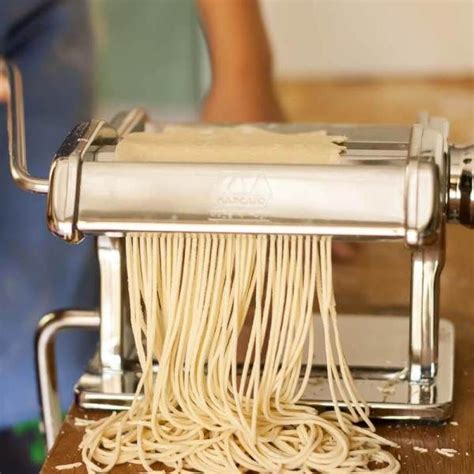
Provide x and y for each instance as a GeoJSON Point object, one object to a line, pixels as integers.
{"type": "Point", "coordinates": [242, 197]}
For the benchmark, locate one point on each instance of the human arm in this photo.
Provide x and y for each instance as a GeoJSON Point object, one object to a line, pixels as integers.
{"type": "Point", "coordinates": [241, 63]}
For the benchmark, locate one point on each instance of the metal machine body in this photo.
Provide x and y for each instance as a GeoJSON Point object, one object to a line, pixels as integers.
{"type": "Point", "coordinates": [399, 183]}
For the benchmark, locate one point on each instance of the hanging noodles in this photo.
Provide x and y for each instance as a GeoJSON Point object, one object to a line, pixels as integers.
{"type": "Point", "coordinates": [190, 296]}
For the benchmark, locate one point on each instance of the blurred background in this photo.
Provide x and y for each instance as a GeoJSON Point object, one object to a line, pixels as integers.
{"type": "Point", "coordinates": [155, 55]}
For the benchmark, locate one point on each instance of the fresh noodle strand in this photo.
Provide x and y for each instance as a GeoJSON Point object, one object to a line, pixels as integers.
{"type": "Point", "coordinates": [194, 300]}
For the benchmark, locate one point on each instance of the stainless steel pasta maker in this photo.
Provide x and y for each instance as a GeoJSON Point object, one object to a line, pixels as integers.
{"type": "Point", "coordinates": [399, 183]}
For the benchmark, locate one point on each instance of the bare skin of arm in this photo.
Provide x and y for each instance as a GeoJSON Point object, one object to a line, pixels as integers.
{"type": "Point", "coordinates": [3, 88]}
{"type": "Point", "coordinates": [241, 63]}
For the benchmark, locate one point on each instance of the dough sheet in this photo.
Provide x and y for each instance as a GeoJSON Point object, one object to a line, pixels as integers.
{"type": "Point", "coordinates": [230, 144]}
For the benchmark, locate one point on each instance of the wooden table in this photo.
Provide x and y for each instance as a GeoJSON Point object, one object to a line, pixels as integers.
{"type": "Point", "coordinates": [378, 277]}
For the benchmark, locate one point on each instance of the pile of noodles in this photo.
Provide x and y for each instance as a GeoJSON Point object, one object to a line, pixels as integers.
{"type": "Point", "coordinates": [191, 295]}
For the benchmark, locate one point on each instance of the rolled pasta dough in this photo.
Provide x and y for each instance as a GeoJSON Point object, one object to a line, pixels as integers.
{"type": "Point", "coordinates": [230, 144]}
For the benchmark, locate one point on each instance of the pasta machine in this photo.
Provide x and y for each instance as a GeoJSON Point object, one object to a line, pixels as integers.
{"type": "Point", "coordinates": [399, 183]}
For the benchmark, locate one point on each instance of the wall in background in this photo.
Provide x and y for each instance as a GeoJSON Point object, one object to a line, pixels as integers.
{"type": "Point", "coordinates": [150, 53]}
{"type": "Point", "coordinates": [371, 37]}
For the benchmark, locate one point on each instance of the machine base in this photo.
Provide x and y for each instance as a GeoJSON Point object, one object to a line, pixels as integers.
{"type": "Point", "coordinates": [375, 346]}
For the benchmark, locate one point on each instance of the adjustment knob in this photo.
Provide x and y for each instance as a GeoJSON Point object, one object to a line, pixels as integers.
{"type": "Point", "coordinates": [460, 207]}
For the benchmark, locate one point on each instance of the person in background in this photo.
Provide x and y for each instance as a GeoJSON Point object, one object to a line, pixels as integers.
{"type": "Point", "coordinates": [51, 42]}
